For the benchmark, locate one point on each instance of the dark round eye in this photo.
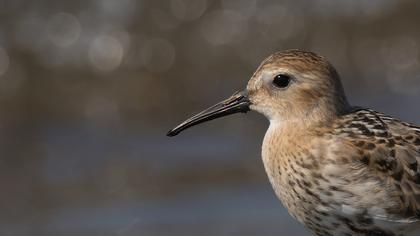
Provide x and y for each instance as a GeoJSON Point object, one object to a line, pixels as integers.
{"type": "Point", "coordinates": [281, 80]}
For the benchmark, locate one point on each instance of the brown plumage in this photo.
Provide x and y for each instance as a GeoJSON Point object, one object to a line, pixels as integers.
{"type": "Point", "coordinates": [338, 169]}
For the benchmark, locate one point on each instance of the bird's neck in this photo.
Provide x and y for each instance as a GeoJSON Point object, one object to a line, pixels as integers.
{"type": "Point", "coordinates": [291, 132]}
{"type": "Point", "coordinates": [305, 118]}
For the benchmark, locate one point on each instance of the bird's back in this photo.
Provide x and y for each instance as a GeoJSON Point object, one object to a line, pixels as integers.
{"type": "Point", "coordinates": [390, 150]}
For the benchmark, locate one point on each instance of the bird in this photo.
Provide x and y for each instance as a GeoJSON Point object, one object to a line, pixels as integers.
{"type": "Point", "coordinates": [338, 169]}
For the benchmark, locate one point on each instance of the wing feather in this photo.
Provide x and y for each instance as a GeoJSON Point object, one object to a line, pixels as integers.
{"type": "Point", "coordinates": [390, 149]}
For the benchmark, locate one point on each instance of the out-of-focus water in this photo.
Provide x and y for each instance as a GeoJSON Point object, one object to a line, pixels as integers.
{"type": "Point", "coordinates": [84, 199]}
{"type": "Point", "coordinates": [238, 210]}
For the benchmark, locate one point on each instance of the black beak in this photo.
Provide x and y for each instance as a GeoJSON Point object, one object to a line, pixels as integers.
{"type": "Point", "coordinates": [238, 102]}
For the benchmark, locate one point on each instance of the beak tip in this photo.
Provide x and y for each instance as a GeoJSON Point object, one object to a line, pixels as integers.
{"type": "Point", "coordinates": [171, 133]}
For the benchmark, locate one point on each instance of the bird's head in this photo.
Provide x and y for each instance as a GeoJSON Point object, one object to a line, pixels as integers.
{"type": "Point", "coordinates": [296, 85]}
{"type": "Point", "coordinates": [292, 85]}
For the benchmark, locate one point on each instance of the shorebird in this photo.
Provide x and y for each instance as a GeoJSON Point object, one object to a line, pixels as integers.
{"type": "Point", "coordinates": [338, 169]}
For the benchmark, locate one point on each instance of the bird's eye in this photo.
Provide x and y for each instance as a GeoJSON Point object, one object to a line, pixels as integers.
{"type": "Point", "coordinates": [281, 81]}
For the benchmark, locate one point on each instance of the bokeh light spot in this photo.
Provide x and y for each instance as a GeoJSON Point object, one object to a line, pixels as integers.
{"type": "Point", "coordinates": [106, 53]}
{"type": "Point", "coordinates": [63, 29]}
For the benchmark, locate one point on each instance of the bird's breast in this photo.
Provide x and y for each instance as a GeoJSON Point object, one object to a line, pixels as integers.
{"type": "Point", "coordinates": [293, 171]}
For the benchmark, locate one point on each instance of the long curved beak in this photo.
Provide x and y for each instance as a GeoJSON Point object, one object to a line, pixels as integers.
{"type": "Point", "coordinates": [238, 102]}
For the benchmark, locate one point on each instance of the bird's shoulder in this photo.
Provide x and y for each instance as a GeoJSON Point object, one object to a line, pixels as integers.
{"type": "Point", "coordinates": [387, 149]}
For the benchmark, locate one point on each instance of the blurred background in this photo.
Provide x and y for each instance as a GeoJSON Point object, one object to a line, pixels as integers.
{"type": "Point", "coordinates": [88, 90]}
